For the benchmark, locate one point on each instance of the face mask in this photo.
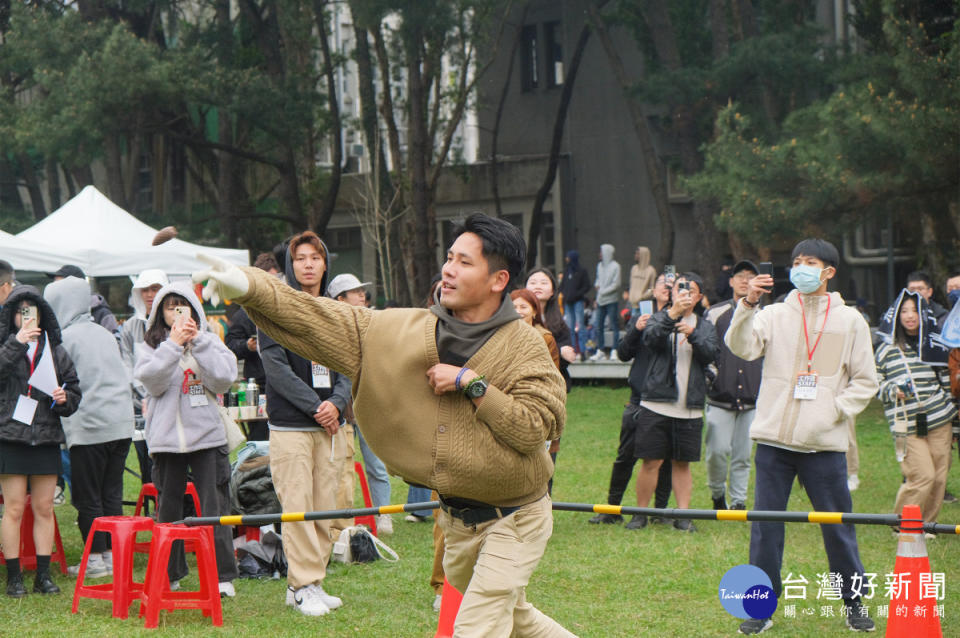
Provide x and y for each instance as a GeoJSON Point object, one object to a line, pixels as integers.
{"type": "Point", "coordinates": [806, 279]}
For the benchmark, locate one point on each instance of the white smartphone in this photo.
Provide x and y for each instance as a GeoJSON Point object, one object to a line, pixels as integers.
{"type": "Point", "coordinates": [646, 307]}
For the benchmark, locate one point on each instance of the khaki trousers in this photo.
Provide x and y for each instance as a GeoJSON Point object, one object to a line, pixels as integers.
{"type": "Point", "coordinates": [305, 480]}
{"type": "Point", "coordinates": [853, 451]}
{"type": "Point", "coordinates": [491, 564]}
{"type": "Point", "coordinates": [925, 467]}
{"type": "Point", "coordinates": [436, 576]}
{"type": "Point", "coordinates": [346, 480]}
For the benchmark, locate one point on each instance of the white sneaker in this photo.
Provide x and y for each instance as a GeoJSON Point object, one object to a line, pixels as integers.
{"type": "Point", "coordinates": [332, 602]}
{"type": "Point", "coordinates": [384, 524]}
{"type": "Point", "coordinates": [853, 482]}
{"type": "Point", "coordinates": [613, 355]}
{"type": "Point", "coordinates": [598, 356]}
{"type": "Point", "coordinates": [175, 585]}
{"type": "Point", "coordinates": [437, 600]}
{"type": "Point", "coordinates": [306, 601]}
{"type": "Point", "coordinates": [108, 558]}
{"type": "Point", "coordinates": [96, 567]}
{"type": "Point", "coordinates": [59, 498]}
{"type": "Point", "coordinates": [227, 590]}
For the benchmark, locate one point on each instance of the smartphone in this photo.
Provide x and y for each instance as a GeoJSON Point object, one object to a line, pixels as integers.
{"type": "Point", "coordinates": [765, 268]}
{"type": "Point", "coordinates": [683, 285]}
{"type": "Point", "coordinates": [922, 424]}
{"type": "Point", "coordinates": [183, 311]}
{"type": "Point", "coordinates": [669, 273]}
{"type": "Point", "coordinates": [29, 313]}
{"type": "Point", "coordinates": [645, 307]}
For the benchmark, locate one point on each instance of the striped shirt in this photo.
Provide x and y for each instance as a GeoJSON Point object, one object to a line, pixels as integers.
{"type": "Point", "coordinates": [894, 372]}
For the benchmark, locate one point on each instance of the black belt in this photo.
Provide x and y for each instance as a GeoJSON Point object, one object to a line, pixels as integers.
{"type": "Point", "coordinates": [475, 515]}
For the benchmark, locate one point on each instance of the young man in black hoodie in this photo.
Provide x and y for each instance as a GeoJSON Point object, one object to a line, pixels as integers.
{"type": "Point", "coordinates": [307, 445]}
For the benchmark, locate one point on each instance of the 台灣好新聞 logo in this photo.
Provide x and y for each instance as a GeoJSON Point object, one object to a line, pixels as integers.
{"type": "Point", "coordinates": [746, 592]}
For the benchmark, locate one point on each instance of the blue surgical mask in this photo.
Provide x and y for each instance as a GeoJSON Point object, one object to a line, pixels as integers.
{"type": "Point", "coordinates": [953, 297]}
{"type": "Point", "coordinates": [806, 279]}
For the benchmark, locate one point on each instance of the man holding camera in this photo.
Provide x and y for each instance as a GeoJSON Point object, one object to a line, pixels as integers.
{"type": "Point", "coordinates": [681, 345]}
{"type": "Point", "coordinates": [731, 404]}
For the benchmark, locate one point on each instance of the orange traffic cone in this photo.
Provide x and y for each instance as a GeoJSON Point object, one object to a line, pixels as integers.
{"type": "Point", "coordinates": [449, 606]}
{"type": "Point", "coordinates": [912, 610]}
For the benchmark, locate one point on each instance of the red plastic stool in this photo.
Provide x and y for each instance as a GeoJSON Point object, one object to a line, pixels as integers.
{"type": "Point", "coordinates": [156, 593]}
{"type": "Point", "coordinates": [369, 520]}
{"type": "Point", "coordinates": [28, 551]}
{"type": "Point", "coordinates": [123, 590]}
{"type": "Point", "coordinates": [149, 490]}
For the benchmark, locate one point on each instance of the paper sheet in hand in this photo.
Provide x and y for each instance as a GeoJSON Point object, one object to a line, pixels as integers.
{"type": "Point", "coordinates": [44, 377]}
{"type": "Point", "coordinates": [26, 408]}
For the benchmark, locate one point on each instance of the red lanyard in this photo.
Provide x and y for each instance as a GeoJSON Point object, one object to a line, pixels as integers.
{"type": "Point", "coordinates": [186, 380]}
{"type": "Point", "coordinates": [33, 365]}
{"type": "Point", "coordinates": [806, 338]}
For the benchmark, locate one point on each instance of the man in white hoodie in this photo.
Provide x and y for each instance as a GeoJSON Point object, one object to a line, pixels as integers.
{"type": "Point", "coordinates": [608, 284]}
{"type": "Point", "coordinates": [818, 374]}
{"type": "Point", "coordinates": [145, 288]}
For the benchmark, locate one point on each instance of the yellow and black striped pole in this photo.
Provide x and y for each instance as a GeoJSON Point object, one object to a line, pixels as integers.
{"type": "Point", "coordinates": [826, 518]}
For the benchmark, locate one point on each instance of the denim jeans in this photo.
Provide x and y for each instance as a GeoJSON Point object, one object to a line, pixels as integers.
{"type": "Point", "coordinates": [377, 478]}
{"type": "Point", "coordinates": [419, 495]}
{"type": "Point", "coordinates": [824, 478]}
{"type": "Point", "coordinates": [573, 316]}
{"type": "Point", "coordinates": [607, 311]}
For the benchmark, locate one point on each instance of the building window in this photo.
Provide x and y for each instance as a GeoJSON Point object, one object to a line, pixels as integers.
{"type": "Point", "coordinates": [553, 35]}
{"type": "Point", "coordinates": [529, 59]}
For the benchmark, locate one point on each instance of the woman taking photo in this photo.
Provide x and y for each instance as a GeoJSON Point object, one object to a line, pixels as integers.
{"type": "Point", "coordinates": [30, 429]}
{"type": "Point", "coordinates": [183, 366]}
{"type": "Point", "coordinates": [917, 403]}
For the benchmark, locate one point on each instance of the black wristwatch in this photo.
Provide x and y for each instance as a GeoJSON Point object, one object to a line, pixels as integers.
{"type": "Point", "coordinates": [476, 388]}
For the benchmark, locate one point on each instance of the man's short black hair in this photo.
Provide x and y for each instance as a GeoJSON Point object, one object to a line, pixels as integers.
{"type": "Point", "coordinates": [819, 248]}
{"type": "Point", "coordinates": [6, 272]}
{"type": "Point", "coordinates": [920, 275]}
{"type": "Point", "coordinates": [503, 245]}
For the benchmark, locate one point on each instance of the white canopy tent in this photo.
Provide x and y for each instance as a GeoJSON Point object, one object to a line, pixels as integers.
{"type": "Point", "coordinates": [104, 240]}
{"type": "Point", "coordinates": [27, 255]}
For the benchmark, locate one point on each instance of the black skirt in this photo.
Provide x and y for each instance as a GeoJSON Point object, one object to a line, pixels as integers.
{"type": "Point", "coordinates": [18, 458]}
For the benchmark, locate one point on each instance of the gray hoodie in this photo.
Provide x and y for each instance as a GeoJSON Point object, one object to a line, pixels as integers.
{"type": "Point", "coordinates": [608, 277]}
{"type": "Point", "coordinates": [105, 414]}
{"type": "Point", "coordinates": [172, 424]}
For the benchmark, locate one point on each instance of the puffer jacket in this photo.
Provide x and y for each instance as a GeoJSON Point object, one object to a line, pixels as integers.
{"type": "Point", "coordinates": [15, 371]}
{"type": "Point", "coordinates": [660, 383]}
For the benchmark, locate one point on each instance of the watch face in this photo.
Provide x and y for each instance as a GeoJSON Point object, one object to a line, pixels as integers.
{"type": "Point", "coordinates": [477, 389]}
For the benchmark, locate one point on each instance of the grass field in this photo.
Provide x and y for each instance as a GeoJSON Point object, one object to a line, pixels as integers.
{"type": "Point", "coordinates": [598, 581]}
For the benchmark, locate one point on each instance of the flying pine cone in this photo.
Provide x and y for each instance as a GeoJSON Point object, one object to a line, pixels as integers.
{"type": "Point", "coordinates": [164, 235]}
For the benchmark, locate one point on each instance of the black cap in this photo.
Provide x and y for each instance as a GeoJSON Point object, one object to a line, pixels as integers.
{"type": "Point", "coordinates": [744, 264]}
{"type": "Point", "coordinates": [68, 271]}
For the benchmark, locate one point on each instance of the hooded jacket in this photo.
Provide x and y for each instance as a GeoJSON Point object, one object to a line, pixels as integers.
{"type": "Point", "coordinates": [660, 383]}
{"type": "Point", "coordinates": [642, 277]}
{"type": "Point", "coordinates": [576, 281]}
{"type": "Point", "coordinates": [105, 413]}
{"type": "Point", "coordinates": [843, 359]}
{"type": "Point", "coordinates": [133, 329]}
{"type": "Point", "coordinates": [15, 372]}
{"type": "Point", "coordinates": [737, 381]}
{"type": "Point", "coordinates": [291, 397]}
{"type": "Point", "coordinates": [608, 277]}
{"type": "Point", "coordinates": [172, 424]}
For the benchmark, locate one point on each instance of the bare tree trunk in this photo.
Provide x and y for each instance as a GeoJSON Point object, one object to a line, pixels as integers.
{"type": "Point", "coordinates": [718, 28]}
{"type": "Point", "coordinates": [114, 163]}
{"type": "Point", "coordinates": [83, 176]}
{"type": "Point", "coordinates": [651, 162]}
{"type": "Point", "coordinates": [495, 134]}
{"type": "Point", "coordinates": [386, 104]}
{"type": "Point", "coordinates": [665, 43]}
{"type": "Point", "coordinates": [33, 186]}
{"type": "Point", "coordinates": [319, 224]}
{"type": "Point", "coordinates": [227, 164]}
{"type": "Point", "coordinates": [533, 237]}
{"type": "Point", "coordinates": [368, 116]}
{"type": "Point", "coordinates": [421, 229]}
{"type": "Point", "coordinates": [53, 183]}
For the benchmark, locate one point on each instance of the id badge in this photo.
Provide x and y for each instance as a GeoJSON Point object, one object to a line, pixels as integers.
{"type": "Point", "coordinates": [321, 375]}
{"type": "Point", "coordinates": [198, 396]}
{"type": "Point", "coordinates": [25, 409]}
{"type": "Point", "coordinates": [806, 388]}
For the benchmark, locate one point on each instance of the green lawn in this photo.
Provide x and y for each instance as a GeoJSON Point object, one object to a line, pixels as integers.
{"type": "Point", "coordinates": [596, 581]}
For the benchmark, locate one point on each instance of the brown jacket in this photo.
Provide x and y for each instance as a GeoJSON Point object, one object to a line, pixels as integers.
{"type": "Point", "coordinates": [492, 454]}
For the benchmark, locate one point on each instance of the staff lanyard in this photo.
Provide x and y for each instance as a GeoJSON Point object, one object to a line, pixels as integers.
{"type": "Point", "coordinates": [806, 337]}
{"type": "Point", "coordinates": [33, 365]}
{"type": "Point", "coordinates": [186, 380]}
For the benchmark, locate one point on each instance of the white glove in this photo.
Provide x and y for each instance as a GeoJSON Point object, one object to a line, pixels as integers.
{"type": "Point", "coordinates": [224, 280]}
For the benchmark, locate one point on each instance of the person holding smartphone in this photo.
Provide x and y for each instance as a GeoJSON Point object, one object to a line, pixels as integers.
{"type": "Point", "coordinates": [30, 429]}
{"type": "Point", "coordinates": [914, 388]}
{"type": "Point", "coordinates": [183, 366]}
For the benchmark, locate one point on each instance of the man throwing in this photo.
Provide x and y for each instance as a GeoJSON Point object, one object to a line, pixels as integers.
{"type": "Point", "coordinates": [460, 397]}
